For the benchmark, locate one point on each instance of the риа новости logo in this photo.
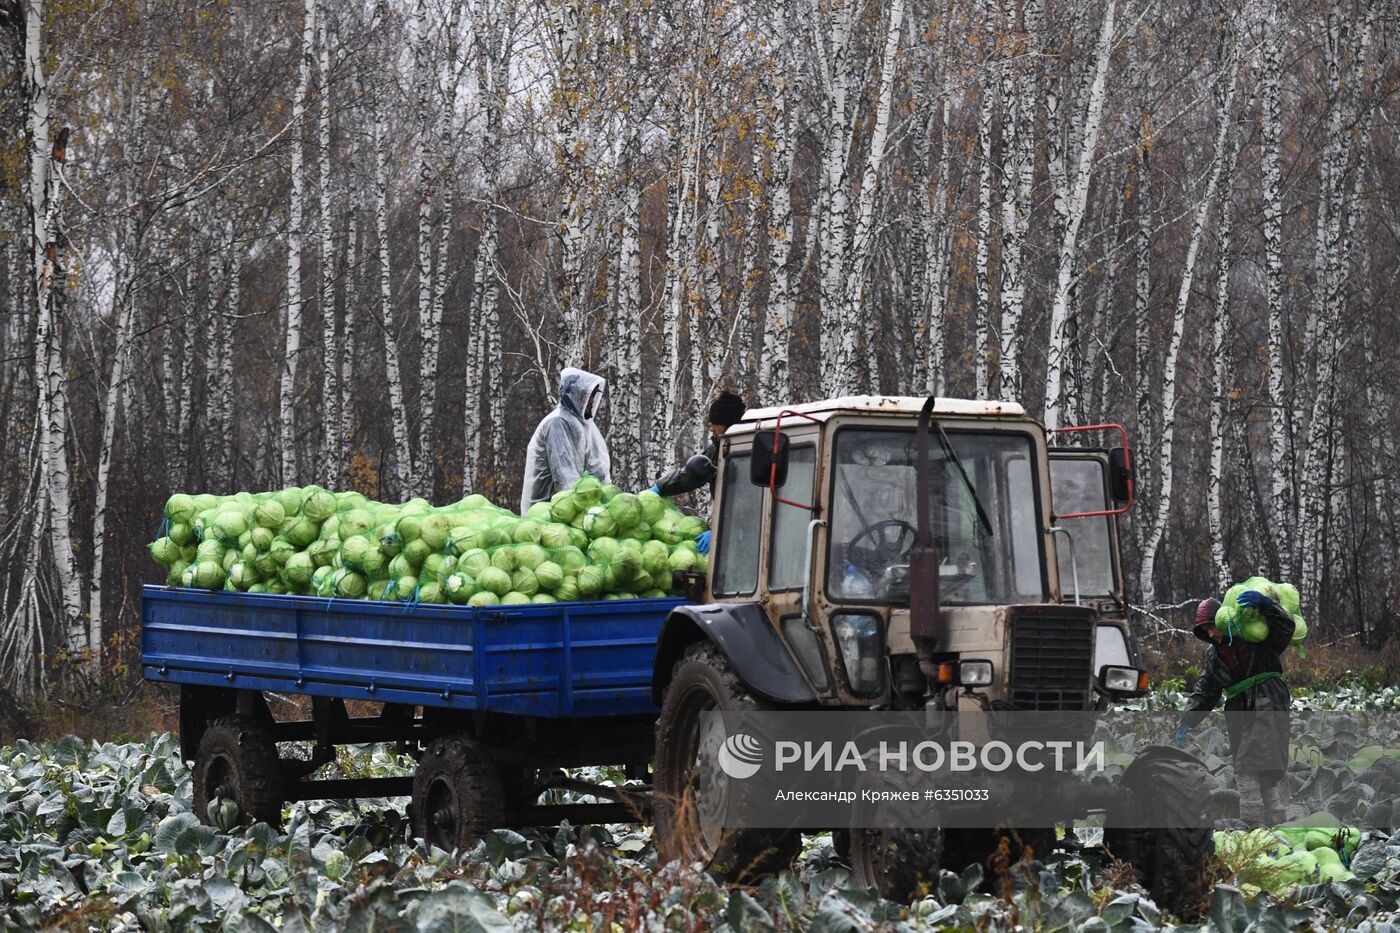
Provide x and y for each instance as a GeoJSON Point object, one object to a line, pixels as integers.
{"type": "Point", "coordinates": [741, 756]}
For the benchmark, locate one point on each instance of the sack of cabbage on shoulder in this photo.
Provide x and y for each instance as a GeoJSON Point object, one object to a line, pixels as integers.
{"type": "Point", "coordinates": [1238, 621]}
{"type": "Point", "coordinates": [591, 541]}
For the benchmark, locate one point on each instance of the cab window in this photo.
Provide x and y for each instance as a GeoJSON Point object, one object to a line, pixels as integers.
{"type": "Point", "coordinates": [741, 530]}
{"type": "Point", "coordinates": [788, 552]}
{"type": "Point", "coordinates": [1077, 485]}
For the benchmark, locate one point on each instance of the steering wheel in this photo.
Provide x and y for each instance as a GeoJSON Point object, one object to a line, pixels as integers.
{"type": "Point", "coordinates": [890, 543]}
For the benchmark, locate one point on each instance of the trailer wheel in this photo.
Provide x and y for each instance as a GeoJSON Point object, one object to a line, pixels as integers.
{"type": "Point", "coordinates": [237, 771]}
{"type": "Point", "coordinates": [457, 795]}
{"type": "Point", "coordinates": [703, 680]}
{"type": "Point", "coordinates": [1171, 859]}
{"type": "Point", "coordinates": [901, 864]}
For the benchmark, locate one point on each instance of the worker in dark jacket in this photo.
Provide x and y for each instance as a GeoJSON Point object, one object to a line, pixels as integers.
{"type": "Point", "coordinates": [1249, 676]}
{"type": "Point", "coordinates": [727, 409]}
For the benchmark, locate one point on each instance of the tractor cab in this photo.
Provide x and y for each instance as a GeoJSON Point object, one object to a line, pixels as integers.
{"type": "Point", "coordinates": [816, 534]}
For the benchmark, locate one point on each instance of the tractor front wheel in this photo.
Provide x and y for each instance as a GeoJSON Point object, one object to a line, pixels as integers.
{"type": "Point", "coordinates": [704, 681]}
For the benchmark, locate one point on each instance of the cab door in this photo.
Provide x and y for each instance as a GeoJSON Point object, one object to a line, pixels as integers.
{"type": "Point", "coordinates": [1079, 482]}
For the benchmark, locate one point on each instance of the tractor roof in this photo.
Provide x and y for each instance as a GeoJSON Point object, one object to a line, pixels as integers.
{"type": "Point", "coordinates": [887, 405]}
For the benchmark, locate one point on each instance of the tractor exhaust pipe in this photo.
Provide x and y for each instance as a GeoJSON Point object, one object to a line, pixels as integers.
{"type": "Point", "coordinates": [924, 616]}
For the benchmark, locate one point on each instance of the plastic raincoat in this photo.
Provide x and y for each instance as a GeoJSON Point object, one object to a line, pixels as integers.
{"type": "Point", "coordinates": [566, 443]}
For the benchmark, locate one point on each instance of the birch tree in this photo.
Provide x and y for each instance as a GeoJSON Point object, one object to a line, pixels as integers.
{"type": "Point", "coordinates": [1158, 519]}
{"type": "Point", "coordinates": [1271, 142]}
{"type": "Point", "coordinates": [1076, 193]}
{"type": "Point", "coordinates": [295, 233]}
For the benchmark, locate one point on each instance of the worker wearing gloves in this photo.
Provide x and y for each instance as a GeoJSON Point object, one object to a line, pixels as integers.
{"type": "Point", "coordinates": [727, 409]}
{"type": "Point", "coordinates": [567, 443]}
{"type": "Point", "coordinates": [1250, 678]}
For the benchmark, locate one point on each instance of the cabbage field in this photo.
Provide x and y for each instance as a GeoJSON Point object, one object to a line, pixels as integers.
{"type": "Point", "coordinates": [101, 836]}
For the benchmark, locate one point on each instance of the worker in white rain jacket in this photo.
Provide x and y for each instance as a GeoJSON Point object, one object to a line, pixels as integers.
{"type": "Point", "coordinates": [567, 443]}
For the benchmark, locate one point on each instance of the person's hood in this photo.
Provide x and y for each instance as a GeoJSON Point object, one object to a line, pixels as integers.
{"type": "Point", "coordinates": [1205, 616]}
{"type": "Point", "coordinates": [575, 386]}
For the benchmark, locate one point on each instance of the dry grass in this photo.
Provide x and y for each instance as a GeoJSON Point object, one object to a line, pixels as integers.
{"type": "Point", "coordinates": [1322, 665]}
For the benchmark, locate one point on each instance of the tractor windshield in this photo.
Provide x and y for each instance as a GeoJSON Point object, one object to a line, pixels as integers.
{"type": "Point", "coordinates": [984, 516]}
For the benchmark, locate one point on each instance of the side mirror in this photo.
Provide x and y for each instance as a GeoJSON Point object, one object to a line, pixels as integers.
{"type": "Point", "coordinates": [770, 449]}
{"type": "Point", "coordinates": [1120, 475]}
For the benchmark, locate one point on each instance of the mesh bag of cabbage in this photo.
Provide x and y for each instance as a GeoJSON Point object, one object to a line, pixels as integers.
{"type": "Point", "coordinates": [1239, 621]}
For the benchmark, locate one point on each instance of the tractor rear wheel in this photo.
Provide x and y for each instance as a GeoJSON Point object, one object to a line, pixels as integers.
{"type": "Point", "coordinates": [237, 776]}
{"type": "Point", "coordinates": [702, 681]}
{"type": "Point", "coordinates": [1170, 850]}
{"type": "Point", "coordinates": [457, 795]}
{"type": "Point", "coordinates": [901, 864]}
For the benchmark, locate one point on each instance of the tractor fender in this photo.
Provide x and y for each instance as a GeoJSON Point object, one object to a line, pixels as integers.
{"type": "Point", "coordinates": [744, 635]}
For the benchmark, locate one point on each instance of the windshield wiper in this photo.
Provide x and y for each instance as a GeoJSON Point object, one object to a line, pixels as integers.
{"type": "Point", "coordinates": [977, 502]}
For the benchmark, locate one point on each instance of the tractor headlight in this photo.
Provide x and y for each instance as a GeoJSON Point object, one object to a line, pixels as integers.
{"type": "Point", "coordinates": [861, 646]}
{"type": "Point", "coordinates": [1122, 680]}
{"type": "Point", "coordinates": [975, 673]}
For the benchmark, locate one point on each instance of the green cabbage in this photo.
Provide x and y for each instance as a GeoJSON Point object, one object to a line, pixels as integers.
{"type": "Point", "coordinates": [494, 580]}
{"type": "Point", "coordinates": [417, 551]}
{"type": "Point", "coordinates": [624, 510]}
{"type": "Point", "coordinates": [355, 522]}
{"type": "Point", "coordinates": [484, 598]}
{"type": "Point", "coordinates": [474, 561]}
{"type": "Point", "coordinates": [433, 531]}
{"type": "Point", "coordinates": [525, 581]}
{"type": "Point", "coordinates": [349, 585]}
{"type": "Point", "coordinates": [597, 523]}
{"type": "Point", "coordinates": [180, 508]}
{"type": "Point", "coordinates": [588, 491]}
{"type": "Point", "coordinates": [270, 514]}
{"type": "Point", "coordinates": [530, 555]}
{"type": "Point", "coordinates": [299, 569]}
{"type": "Point", "coordinates": [504, 558]}
{"type": "Point", "coordinates": [652, 506]}
{"type": "Point", "coordinates": [164, 551]}
{"type": "Point", "coordinates": [554, 535]}
{"type": "Point", "coordinates": [514, 599]}
{"type": "Point", "coordinates": [550, 575]}
{"type": "Point", "coordinates": [459, 588]}
{"type": "Point", "coordinates": [182, 533]}
{"type": "Point", "coordinates": [317, 505]}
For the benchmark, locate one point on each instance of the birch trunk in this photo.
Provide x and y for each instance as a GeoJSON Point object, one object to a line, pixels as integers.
{"type": "Point", "coordinates": [1073, 214]}
{"type": "Point", "coordinates": [393, 371]}
{"type": "Point", "coordinates": [1158, 527]}
{"type": "Point", "coordinates": [111, 410]}
{"type": "Point", "coordinates": [295, 232]}
{"type": "Point", "coordinates": [774, 372]}
{"type": "Point", "coordinates": [223, 381]}
{"type": "Point", "coordinates": [630, 426]}
{"type": "Point", "coordinates": [983, 366]}
{"type": "Point", "coordinates": [331, 442]}
{"type": "Point", "coordinates": [1220, 326]}
{"type": "Point", "coordinates": [936, 229]}
{"type": "Point", "coordinates": [345, 419]}
{"type": "Point", "coordinates": [51, 407]}
{"type": "Point", "coordinates": [855, 318]}
{"type": "Point", "coordinates": [1281, 501]}
{"type": "Point", "coordinates": [835, 236]}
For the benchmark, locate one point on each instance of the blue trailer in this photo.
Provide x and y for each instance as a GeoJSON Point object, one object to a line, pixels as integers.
{"type": "Point", "coordinates": [493, 701]}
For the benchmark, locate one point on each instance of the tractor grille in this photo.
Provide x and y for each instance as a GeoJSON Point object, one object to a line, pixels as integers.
{"type": "Point", "coordinates": [1052, 659]}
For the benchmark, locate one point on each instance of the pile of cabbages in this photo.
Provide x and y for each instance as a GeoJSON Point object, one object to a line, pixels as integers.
{"type": "Point", "coordinates": [591, 541]}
